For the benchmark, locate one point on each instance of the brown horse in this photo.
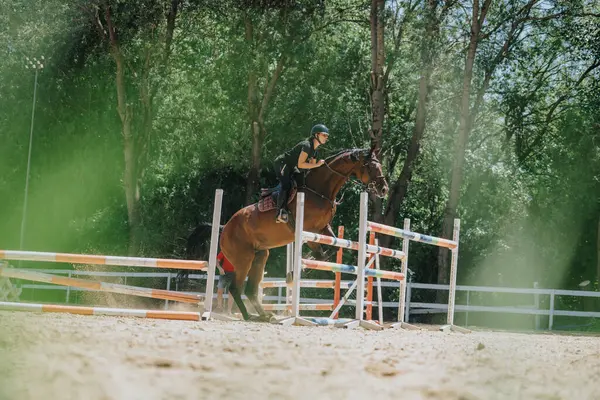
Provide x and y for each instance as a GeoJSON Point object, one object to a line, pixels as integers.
{"type": "Point", "coordinates": [249, 234]}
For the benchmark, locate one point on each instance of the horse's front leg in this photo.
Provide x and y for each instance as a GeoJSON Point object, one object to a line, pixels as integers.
{"type": "Point", "coordinates": [317, 249]}
{"type": "Point", "coordinates": [255, 276]}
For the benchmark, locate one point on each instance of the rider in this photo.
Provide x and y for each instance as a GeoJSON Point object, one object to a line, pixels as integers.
{"type": "Point", "coordinates": [301, 157]}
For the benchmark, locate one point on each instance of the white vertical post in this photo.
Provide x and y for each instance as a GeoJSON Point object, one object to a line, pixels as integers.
{"type": "Point", "coordinates": [404, 270]}
{"type": "Point", "coordinates": [298, 254]}
{"type": "Point", "coordinates": [467, 313]}
{"type": "Point", "coordinates": [70, 275]}
{"type": "Point", "coordinates": [536, 302]}
{"type": "Point", "coordinates": [551, 316]}
{"type": "Point", "coordinates": [453, 268]}
{"type": "Point", "coordinates": [408, 297]}
{"type": "Point", "coordinates": [379, 294]}
{"type": "Point", "coordinates": [168, 288]}
{"type": "Point", "coordinates": [362, 254]}
{"type": "Point", "coordinates": [289, 267]}
{"type": "Point", "coordinates": [212, 258]}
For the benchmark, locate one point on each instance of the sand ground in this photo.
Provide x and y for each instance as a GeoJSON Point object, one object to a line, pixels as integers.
{"type": "Point", "coordinates": [61, 356]}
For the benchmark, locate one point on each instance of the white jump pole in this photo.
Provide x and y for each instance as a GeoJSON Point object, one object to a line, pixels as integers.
{"type": "Point", "coordinates": [402, 316]}
{"type": "Point", "coordinates": [379, 294]}
{"type": "Point", "coordinates": [212, 260]}
{"type": "Point", "coordinates": [453, 270]}
{"type": "Point", "coordinates": [297, 262]}
{"type": "Point", "coordinates": [289, 267]}
{"type": "Point", "coordinates": [360, 267]}
{"type": "Point", "coordinates": [404, 270]}
{"type": "Point", "coordinates": [295, 319]}
{"type": "Point", "coordinates": [362, 255]}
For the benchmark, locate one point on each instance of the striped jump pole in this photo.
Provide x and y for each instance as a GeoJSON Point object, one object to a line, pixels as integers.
{"type": "Point", "coordinates": [452, 245]}
{"type": "Point", "coordinates": [349, 244]}
{"type": "Point", "coordinates": [417, 237]}
{"type": "Point", "coordinates": [320, 284]}
{"type": "Point", "coordinates": [344, 300]}
{"type": "Point", "coordinates": [100, 286]}
{"type": "Point", "coordinates": [341, 322]}
{"type": "Point", "coordinates": [113, 312]}
{"type": "Point", "coordinates": [360, 270]}
{"type": "Point", "coordinates": [305, 307]}
{"type": "Point", "coordinates": [351, 269]}
{"type": "Point", "coordinates": [102, 260]}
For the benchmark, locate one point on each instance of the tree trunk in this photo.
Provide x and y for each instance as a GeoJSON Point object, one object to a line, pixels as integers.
{"type": "Point", "coordinates": [478, 18]}
{"type": "Point", "coordinates": [125, 114]}
{"type": "Point", "coordinates": [254, 173]}
{"type": "Point", "coordinates": [253, 111]}
{"type": "Point", "coordinates": [135, 146]}
{"type": "Point", "coordinates": [171, 16]}
{"type": "Point", "coordinates": [144, 134]}
{"type": "Point", "coordinates": [377, 81]}
{"type": "Point", "coordinates": [428, 56]}
{"type": "Point", "coordinates": [401, 186]}
{"type": "Point", "coordinates": [256, 111]}
{"type": "Point", "coordinates": [377, 89]}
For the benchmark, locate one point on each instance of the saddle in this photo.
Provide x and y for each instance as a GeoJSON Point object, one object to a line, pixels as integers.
{"type": "Point", "coordinates": [268, 197]}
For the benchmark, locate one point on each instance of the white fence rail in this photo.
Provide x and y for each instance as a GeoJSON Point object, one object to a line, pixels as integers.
{"type": "Point", "coordinates": [412, 307]}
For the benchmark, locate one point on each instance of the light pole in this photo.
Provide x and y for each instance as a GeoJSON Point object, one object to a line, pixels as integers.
{"type": "Point", "coordinates": [36, 65]}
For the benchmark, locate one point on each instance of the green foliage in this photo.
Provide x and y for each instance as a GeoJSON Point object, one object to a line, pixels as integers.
{"type": "Point", "coordinates": [529, 203]}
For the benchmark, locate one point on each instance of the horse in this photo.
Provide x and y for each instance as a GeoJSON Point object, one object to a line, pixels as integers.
{"type": "Point", "coordinates": [250, 233]}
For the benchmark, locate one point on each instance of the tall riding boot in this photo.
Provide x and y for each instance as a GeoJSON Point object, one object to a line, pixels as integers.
{"type": "Point", "coordinates": [282, 198]}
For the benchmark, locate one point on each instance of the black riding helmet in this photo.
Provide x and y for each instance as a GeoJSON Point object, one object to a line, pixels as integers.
{"type": "Point", "coordinates": [319, 128]}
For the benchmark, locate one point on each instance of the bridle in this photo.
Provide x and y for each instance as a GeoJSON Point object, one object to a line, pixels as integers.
{"type": "Point", "coordinates": [371, 187]}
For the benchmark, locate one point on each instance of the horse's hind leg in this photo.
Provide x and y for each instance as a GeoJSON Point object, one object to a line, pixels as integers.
{"type": "Point", "coordinates": [235, 289]}
{"type": "Point", "coordinates": [317, 249]}
{"type": "Point", "coordinates": [255, 276]}
{"type": "Point", "coordinates": [242, 262]}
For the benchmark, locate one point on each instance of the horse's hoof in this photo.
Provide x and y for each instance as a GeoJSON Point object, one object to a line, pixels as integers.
{"type": "Point", "coordinates": [289, 278]}
{"type": "Point", "coordinates": [261, 318]}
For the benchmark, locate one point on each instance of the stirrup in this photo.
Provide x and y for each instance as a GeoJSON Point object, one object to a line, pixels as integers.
{"type": "Point", "coordinates": [282, 217]}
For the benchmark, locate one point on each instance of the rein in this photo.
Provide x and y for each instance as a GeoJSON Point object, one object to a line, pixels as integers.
{"type": "Point", "coordinates": [370, 186]}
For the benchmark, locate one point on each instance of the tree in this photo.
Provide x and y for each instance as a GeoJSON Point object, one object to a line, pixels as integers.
{"type": "Point", "coordinates": [519, 16]}
{"type": "Point", "coordinates": [132, 20]}
{"type": "Point", "coordinates": [430, 47]}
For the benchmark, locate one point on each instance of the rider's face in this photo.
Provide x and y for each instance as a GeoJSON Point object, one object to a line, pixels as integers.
{"type": "Point", "coordinates": [323, 137]}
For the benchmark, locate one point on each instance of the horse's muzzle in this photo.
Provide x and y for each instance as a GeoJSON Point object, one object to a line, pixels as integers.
{"type": "Point", "coordinates": [378, 187]}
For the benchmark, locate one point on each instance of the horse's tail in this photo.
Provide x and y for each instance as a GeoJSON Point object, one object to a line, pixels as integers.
{"type": "Point", "coordinates": [198, 243]}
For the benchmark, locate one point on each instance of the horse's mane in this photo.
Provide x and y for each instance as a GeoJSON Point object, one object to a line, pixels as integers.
{"type": "Point", "coordinates": [345, 152]}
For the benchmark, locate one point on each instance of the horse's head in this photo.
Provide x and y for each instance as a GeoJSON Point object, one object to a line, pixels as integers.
{"type": "Point", "coordinates": [368, 170]}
